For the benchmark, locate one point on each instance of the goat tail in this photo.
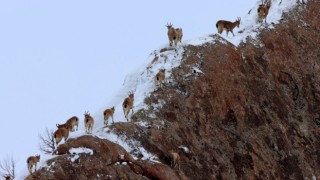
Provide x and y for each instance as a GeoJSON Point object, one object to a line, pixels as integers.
{"type": "Point", "coordinates": [217, 25]}
{"type": "Point", "coordinates": [220, 28]}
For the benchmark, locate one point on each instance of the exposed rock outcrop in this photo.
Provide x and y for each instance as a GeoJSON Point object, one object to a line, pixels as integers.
{"type": "Point", "coordinates": [107, 161]}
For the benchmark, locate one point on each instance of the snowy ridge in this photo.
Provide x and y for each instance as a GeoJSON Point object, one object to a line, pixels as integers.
{"type": "Point", "coordinates": [141, 81]}
{"type": "Point", "coordinates": [249, 26]}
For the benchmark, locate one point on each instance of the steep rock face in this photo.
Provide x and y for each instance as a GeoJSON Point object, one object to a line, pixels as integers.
{"type": "Point", "coordinates": [252, 113]}
{"type": "Point", "coordinates": [107, 161]}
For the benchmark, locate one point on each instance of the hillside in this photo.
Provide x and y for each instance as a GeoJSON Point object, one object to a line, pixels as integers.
{"type": "Point", "coordinates": [247, 111]}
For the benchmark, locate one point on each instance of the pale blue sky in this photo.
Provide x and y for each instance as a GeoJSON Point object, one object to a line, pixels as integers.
{"type": "Point", "coordinates": [60, 58]}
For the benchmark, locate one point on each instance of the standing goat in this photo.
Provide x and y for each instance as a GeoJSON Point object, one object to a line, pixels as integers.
{"type": "Point", "coordinates": [172, 36]}
{"type": "Point", "coordinates": [263, 11]}
{"type": "Point", "coordinates": [227, 25]}
{"type": "Point", "coordinates": [179, 34]}
{"type": "Point", "coordinates": [88, 122]}
{"type": "Point", "coordinates": [33, 160]}
{"type": "Point", "coordinates": [128, 104]}
{"type": "Point", "coordinates": [71, 124]}
{"type": "Point", "coordinates": [175, 160]}
{"type": "Point", "coordinates": [60, 133]}
{"type": "Point", "coordinates": [107, 114]}
{"type": "Point", "coordinates": [160, 77]}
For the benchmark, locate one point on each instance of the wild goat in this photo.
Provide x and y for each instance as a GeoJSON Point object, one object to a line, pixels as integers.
{"type": "Point", "coordinates": [71, 124]}
{"type": "Point", "coordinates": [227, 25]}
{"type": "Point", "coordinates": [128, 104]}
{"type": "Point", "coordinates": [107, 114]}
{"type": "Point", "coordinates": [60, 133]}
{"type": "Point", "coordinates": [175, 160]}
{"type": "Point", "coordinates": [174, 35]}
{"type": "Point", "coordinates": [33, 160]}
{"type": "Point", "coordinates": [179, 34]}
{"type": "Point", "coordinates": [171, 34]}
{"type": "Point", "coordinates": [88, 122]}
{"type": "Point", "coordinates": [160, 76]}
{"type": "Point", "coordinates": [263, 11]}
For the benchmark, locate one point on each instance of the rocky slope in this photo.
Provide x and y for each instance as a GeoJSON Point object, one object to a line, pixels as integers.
{"type": "Point", "coordinates": [252, 112]}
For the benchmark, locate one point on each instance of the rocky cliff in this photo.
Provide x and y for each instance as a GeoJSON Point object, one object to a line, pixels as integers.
{"type": "Point", "coordinates": [245, 112]}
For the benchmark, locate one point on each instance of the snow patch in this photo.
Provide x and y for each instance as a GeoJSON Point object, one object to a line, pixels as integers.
{"type": "Point", "coordinates": [76, 151]}
{"type": "Point", "coordinates": [200, 40]}
{"type": "Point", "coordinates": [131, 146]}
{"type": "Point", "coordinates": [184, 149]}
{"type": "Point", "coordinates": [143, 124]}
{"type": "Point", "coordinates": [81, 150]}
{"type": "Point", "coordinates": [74, 158]}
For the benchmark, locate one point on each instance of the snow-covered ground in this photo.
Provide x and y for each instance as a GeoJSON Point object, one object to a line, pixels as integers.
{"type": "Point", "coordinates": [141, 81]}
{"type": "Point", "coordinates": [249, 25]}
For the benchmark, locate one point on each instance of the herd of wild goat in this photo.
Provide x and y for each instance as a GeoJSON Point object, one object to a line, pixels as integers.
{"type": "Point", "coordinates": [174, 36]}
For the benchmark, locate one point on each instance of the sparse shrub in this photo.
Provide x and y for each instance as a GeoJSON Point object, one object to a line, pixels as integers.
{"type": "Point", "coordinates": [47, 142]}
{"type": "Point", "coordinates": [7, 168]}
